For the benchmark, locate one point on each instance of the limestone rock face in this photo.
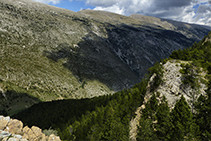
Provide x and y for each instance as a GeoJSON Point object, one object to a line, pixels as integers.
{"type": "Point", "coordinates": [13, 130]}
{"type": "Point", "coordinates": [4, 121]}
{"type": "Point", "coordinates": [4, 134]}
{"type": "Point", "coordinates": [14, 126]}
{"type": "Point", "coordinates": [53, 138]}
{"type": "Point", "coordinates": [173, 88]}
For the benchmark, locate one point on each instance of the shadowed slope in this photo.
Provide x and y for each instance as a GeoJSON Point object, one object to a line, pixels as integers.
{"type": "Point", "coordinates": [56, 53]}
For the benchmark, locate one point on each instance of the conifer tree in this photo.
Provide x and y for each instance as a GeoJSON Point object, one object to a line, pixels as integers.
{"type": "Point", "coordinates": [146, 131]}
{"type": "Point", "coordinates": [147, 128]}
{"type": "Point", "coordinates": [182, 120]}
{"type": "Point", "coordinates": [164, 125]}
{"type": "Point", "coordinates": [151, 108]}
{"type": "Point", "coordinates": [203, 107]}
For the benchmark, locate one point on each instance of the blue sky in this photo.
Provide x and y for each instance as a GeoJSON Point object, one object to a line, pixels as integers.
{"type": "Point", "coordinates": [72, 5]}
{"type": "Point", "coordinates": [191, 11]}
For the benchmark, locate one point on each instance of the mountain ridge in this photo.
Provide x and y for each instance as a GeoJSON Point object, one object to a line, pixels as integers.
{"type": "Point", "coordinates": [52, 53]}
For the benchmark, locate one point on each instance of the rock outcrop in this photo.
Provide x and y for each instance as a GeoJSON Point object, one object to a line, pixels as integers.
{"type": "Point", "coordinates": [13, 130]}
{"type": "Point", "coordinates": [172, 88]}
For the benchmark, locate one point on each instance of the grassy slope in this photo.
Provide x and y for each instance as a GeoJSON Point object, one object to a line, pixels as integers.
{"type": "Point", "coordinates": [24, 44]}
{"type": "Point", "coordinates": [31, 33]}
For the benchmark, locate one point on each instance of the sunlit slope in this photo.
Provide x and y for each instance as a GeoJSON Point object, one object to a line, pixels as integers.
{"type": "Point", "coordinates": [53, 53]}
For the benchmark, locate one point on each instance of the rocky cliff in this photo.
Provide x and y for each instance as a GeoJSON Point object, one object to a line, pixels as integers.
{"type": "Point", "coordinates": [48, 53]}
{"type": "Point", "coordinates": [172, 87]}
{"type": "Point", "coordinates": [13, 130]}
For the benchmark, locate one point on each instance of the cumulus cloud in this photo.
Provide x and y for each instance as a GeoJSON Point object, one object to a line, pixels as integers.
{"type": "Point", "coordinates": [192, 11]}
{"type": "Point", "coordinates": [114, 8]}
{"type": "Point", "coordinates": [49, 1]}
{"type": "Point", "coordinates": [102, 3]}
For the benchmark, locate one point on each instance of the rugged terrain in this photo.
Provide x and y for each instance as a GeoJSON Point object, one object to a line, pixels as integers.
{"type": "Point", "coordinates": [48, 53]}
{"type": "Point", "coordinates": [171, 102]}
{"type": "Point", "coordinates": [12, 129]}
{"type": "Point", "coordinates": [172, 88]}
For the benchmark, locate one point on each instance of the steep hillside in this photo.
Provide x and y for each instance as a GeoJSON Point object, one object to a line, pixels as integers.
{"type": "Point", "coordinates": [52, 53]}
{"type": "Point", "coordinates": [179, 106]}
{"type": "Point", "coordinates": [171, 102]}
{"type": "Point", "coordinates": [174, 84]}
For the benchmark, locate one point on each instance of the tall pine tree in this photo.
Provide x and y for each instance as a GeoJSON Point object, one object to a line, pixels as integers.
{"type": "Point", "coordinates": [182, 120]}
{"type": "Point", "coordinates": [164, 125]}
{"type": "Point", "coordinates": [203, 107]}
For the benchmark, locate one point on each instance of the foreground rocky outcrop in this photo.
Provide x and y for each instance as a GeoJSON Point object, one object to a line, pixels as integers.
{"type": "Point", "coordinates": [13, 130]}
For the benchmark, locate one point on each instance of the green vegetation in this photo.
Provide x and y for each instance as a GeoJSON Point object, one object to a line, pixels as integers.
{"type": "Point", "coordinates": [190, 75]}
{"type": "Point", "coordinates": [158, 123]}
{"type": "Point", "coordinates": [55, 53]}
{"type": "Point", "coordinates": [100, 118]}
{"type": "Point", "coordinates": [50, 54]}
{"type": "Point", "coordinates": [157, 70]}
{"type": "Point", "coordinates": [108, 117]}
{"type": "Point", "coordinates": [14, 99]}
{"type": "Point", "coordinates": [191, 78]}
{"type": "Point", "coordinates": [183, 123]}
{"type": "Point", "coordinates": [199, 53]}
{"type": "Point", "coordinates": [203, 116]}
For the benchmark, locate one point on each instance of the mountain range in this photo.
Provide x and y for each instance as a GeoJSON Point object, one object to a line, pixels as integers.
{"type": "Point", "coordinates": [49, 53]}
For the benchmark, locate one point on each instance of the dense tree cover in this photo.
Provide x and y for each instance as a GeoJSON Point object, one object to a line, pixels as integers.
{"type": "Point", "coordinates": [203, 116]}
{"type": "Point", "coordinates": [184, 126]}
{"type": "Point", "coordinates": [182, 123]}
{"type": "Point", "coordinates": [110, 122]}
{"type": "Point", "coordinates": [164, 124]}
{"type": "Point", "coordinates": [147, 120]}
{"type": "Point", "coordinates": [100, 118]}
{"type": "Point", "coordinates": [56, 114]}
{"type": "Point", "coordinates": [158, 123]}
{"type": "Point", "coordinates": [199, 53]}
{"type": "Point", "coordinates": [157, 70]}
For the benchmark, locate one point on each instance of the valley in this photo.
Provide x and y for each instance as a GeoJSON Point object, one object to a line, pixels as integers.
{"type": "Point", "coordinates": [96, 75]}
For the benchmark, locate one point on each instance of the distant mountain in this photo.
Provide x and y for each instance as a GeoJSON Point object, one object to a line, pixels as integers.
{"type": "Point", "coordinates": [49, 53]}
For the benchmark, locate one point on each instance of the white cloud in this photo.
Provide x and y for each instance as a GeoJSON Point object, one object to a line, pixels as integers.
{"type": "Point", "coordinates": [182, 10]}
{"type": "Point", "coordinates": [113, 8]}
{"type": "Point", "coordinates": [201, 15]}
{"type": "Point", "coordinates": [192, 11]}
{"type": "Point", "coordinates": [102, 3]}
{"type": "Point", "coordinates": [49, 1]}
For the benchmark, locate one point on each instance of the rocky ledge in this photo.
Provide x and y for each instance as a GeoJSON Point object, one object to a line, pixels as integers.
{"type": "Point", "coordinates": [13, 130]}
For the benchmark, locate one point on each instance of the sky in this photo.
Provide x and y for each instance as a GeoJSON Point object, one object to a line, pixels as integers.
{"type": "Point", "coordinates": [191, 11]}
